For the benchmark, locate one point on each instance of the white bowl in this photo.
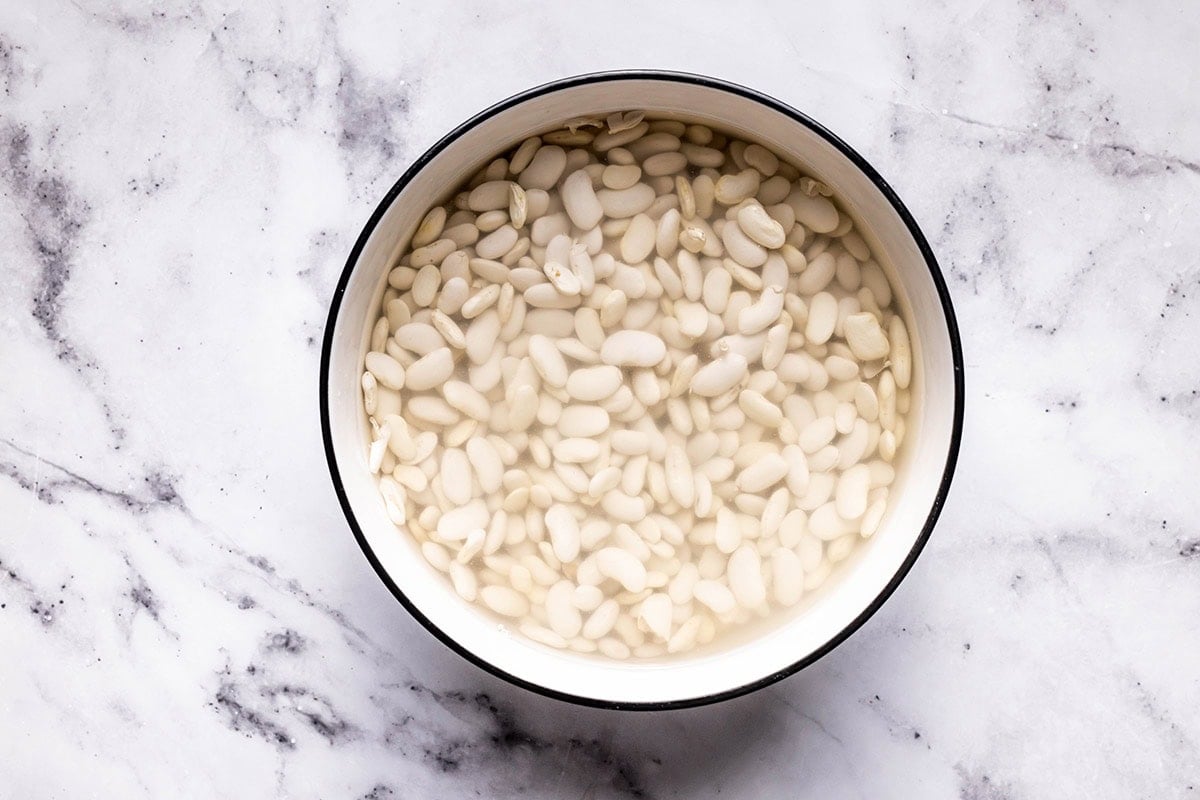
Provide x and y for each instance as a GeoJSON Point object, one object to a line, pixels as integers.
{"type": "Point", "coordinates": [858, 586]}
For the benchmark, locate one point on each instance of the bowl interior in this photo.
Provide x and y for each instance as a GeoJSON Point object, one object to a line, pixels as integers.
{"type": "Point", "coordinates": [856, 587]}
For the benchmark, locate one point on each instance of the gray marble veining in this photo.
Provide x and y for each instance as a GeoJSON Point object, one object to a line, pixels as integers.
{"type": "Point", "coordinates": [182, 610]}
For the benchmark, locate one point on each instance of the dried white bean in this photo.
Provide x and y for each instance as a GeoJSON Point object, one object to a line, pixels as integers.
{"type": "Point", "coordinates": [865, 337]}
{"type": "Point", "coordinates": [744, 250]}
{"type": "Point", "coordinates": [544, 168]}
{"type": "Point", "coordinates": [631, 348]}
{"type": "Point", "coordinates": [496, 243]}
{"type": "Point", "coordinates": [621, 566]}
{"type": "Point", "coordinates": [623, 507]}
{"type": "Point", "coordinates": [762, 474]}
{"type": "Point", "coordinates": [720, 375]}
{"type": "Point", "coordinates": [787, 577]}
{"type": "Point", "coordinates": [489, 196]}
{"type": "Point", "coordinates": [504, 601]}
{"type": "Point", "coordinates": [430, 228]}
{"type": "Point", "coordinates": [852, 488]}
{"type": "Point", "coordinates": [822, 316]}
{"type": "Point", "coordinates": [620, 176]}
{"type": "Point", "coordinates": [387, 370]}
{"type": "Point", "coordinates": [756, 224]}
{"type": "Point", "coordinates": [733, 189]}
{"type": "Point", "coordinates": [430, 370]}
{"type": "Point", "coordinates": [564, 532]}
{"type": "Point", "coordinates": [641, 454]}
{"type": "Point", "coordinates": [624, 203]}
{"type": "Point", "coordinates": [591, 384]}
{"type": "Point", "coordinates": [602, 620]}
{"type": "Point", "coordinates": [548, 361]}
{"type": "Point", "coordinates": [715, 595]}
{"type": "Point", "coordinates": [817, 275]}
{"type": "Point", "coordinates": [481, 301]}
{"type": "Point", "coordinates": [815, 212]}
{"type": "Point", "coordinates": [745, 577]}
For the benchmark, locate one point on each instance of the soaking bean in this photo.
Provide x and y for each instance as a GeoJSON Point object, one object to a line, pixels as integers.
{"type": "Point", "coordinates": [636, 384]}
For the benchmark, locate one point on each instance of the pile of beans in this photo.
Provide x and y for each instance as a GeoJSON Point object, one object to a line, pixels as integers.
{"type": "Point", "coordinates": [637, 384]}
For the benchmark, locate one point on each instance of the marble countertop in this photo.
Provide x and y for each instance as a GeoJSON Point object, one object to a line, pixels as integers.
{"type": "Point", "coordinates": [183, 611]}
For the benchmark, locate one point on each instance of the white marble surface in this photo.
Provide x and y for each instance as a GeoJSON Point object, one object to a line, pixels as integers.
{"type": "Point", "coordinates": [182, 609]}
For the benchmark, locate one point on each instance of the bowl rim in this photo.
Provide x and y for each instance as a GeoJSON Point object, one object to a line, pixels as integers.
{"type": "Point", "coordinates": [797, 116]}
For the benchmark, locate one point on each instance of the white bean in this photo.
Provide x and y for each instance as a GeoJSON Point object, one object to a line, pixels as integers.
{"type": "Point", "coordinates": [489, 196]}
{"type": "Point", "coordinates": [504, 601]}
{"type": "Point", "coordinates": [665, 163]}
{"type": "Point", "coordinates": [623, 507]}
{"type": "Point", "coordinates": [815, 212]}
{"type": "Point", "coordinates": [630, 443]}
{"type": "Point", "coordinates": [590, 384]}
{"type": "Point", "coordinates": [547, 295]}
{"type": "Point", "coordinates": [745, 577]}
{"type": "Point", "coordinates": [430, 370]}
{"type": "Point", "coordinates": [497, 243]}
{"type": "Point", "coordinates": [671, 283]}
{"type": "Point", "coordinates": [613, 308]}
{"type": "Point", "coordinates": [822, 316]}
{"type": "Point", "coordinates": [579, 200]}
{"type": "Point", "coordinates": [580, 261]}
{"type": "Point", "coordinates": [456, 477]}
{"type": "Point", "coordinates": [544, 168]}
{"type": "Point", "coordinates": [876, 284]}
{"type": "Point", "coordinates": [430, 228]}
{"type": "Point", "coordinates": [620, 176]}
{"type": "Point", "coordinates": [760, 409]}
{"type": "Point", "coordinates": [548, 360]}
{"type": "Point", "coordinates": [756, 224]}
{"type": "Point", "coordinates": [787, 577]}
{"type": "Point", "coordinates": [865, 337]}
{"type": "Point", "coordinates": [563, 617]}
{"type": "Point", "coordinates": [638, 241]}
{"type": "Point", "coordinates": [466, 398]}
{"type": "Point", "coordinates": [720, 375]}
{"type": "Point", "coordinates": [666, 237]}
{"type": "Point", "coordinates": [727, 535]}
{"type": "Point", "coordinates": [419, 337]}
{"type": "Point", "coordinates": [624, 203]}
{"type": "Point", "coordinates": [602, 620]}
{"type": "Point", "coordinates": [817, 275]}
{"type": "Point", "coordinates": [655, 613]}
{"type": "Point", "coordinates": [576, 450]}
{"type": "Point", "coordinates": [762, 159]}
{"type": "Point", "coordinates": [481, 301]}
{"type": "Point", "coordinates": [826, 524]}
{"type": "Point", "coordinates": [873, 517]}
{"type": "Point", "coordinates": [849, 275]}
{"type": "Point", "coordinates": [762, 314]}
{"type": "Point", "coordinates": [715, 595]}
{"type": "Point", "coordinates": [631, 348]}
{"type": "Point", "coordinates": [523, 408]}
{"type": "Point", "coordinates": [717, 285]}
{"type": "Point", "coordinates": [744, 250]}
{"type": "Point", "coordinates": [432, 254]}
{"type": "Point", "coordinates": [621, 566]}
{"type": "Point", "coordinates": [387, 370]}
{"type": "Point", "coordinates": [564, 532]}
{"type": "Point", "coordinates": [583, 421]}
{"type": "Point", "coordinates": [852, 488]}
{"type": "Point", "coordinates": [733, 189]}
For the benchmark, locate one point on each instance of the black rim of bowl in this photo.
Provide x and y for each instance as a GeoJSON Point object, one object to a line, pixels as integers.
{"type": "Point", "coordinates": [848, 152]}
